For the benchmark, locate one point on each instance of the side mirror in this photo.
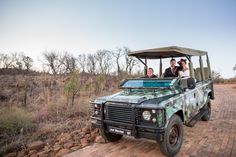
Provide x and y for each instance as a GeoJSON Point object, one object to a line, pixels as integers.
{"type": "Point", "coordinates": [187, 83]}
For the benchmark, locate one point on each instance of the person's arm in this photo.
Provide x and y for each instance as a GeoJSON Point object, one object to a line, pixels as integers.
{"type": "Point", "coordinates": [180, 73]}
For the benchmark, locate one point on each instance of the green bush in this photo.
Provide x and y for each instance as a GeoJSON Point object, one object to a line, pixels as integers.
{"type": "Point", "coordinates": [12, 120]}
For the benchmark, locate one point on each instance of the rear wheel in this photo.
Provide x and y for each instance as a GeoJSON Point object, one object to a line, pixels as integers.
{"type": "Point", "coordinates": [207, 107]}
{"type": "Point", "coordinates": [111, 137]}
{"type": "Point", "coordinates": [173, 137]}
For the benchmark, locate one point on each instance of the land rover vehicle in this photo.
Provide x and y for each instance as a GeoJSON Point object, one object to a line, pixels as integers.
{"type": "Point", "coordinates": [157, 108]}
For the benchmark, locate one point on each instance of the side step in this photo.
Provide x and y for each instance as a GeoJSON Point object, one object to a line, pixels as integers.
{"type": "Point", "coordinates": [196, 118]}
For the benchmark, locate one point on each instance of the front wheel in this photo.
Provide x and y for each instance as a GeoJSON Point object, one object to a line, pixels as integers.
{"type": "Point", "coordinates": [110, 137]}
{"type": "Point", "coordinates": [173, 137]}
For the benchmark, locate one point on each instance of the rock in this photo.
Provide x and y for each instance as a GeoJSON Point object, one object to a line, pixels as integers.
{"type": "Point", "coordinates": [49, 141]}
{"type": "Point", "coordinates": [84, 142]}
{"type": "Point", "coordinates": [81, 134]}
{"type": "Point", "coordinates": [36, 145]}
{"type": "Point", "coordinates": [62, 152]}
{"type": "Point", "coordinates": [96, 130]}
{"type": "Point", "coordinates": [76, 138]}
{"type": "Point", "coordinates": [56, 148]}
{"type": "Point", "coordinates": [47, 149]}
{"type": "Point", "coordinates": [75, 148]}
{"type": "Point", "coordinates": [88, 136]}
{"type": "Point", "coordinates": [76, 132]}
{"type": "Point", "coordinates": [93, 136]}
{"type": "Point", "coordinates": [13, 154]}
{"type": "Point", "coordinates": [32, 152]}
{"type": "Point", "coordinates": [86, 130]}
{"type": "Point", "coordinates": [68, 145]}
{"type": "Point", "coordinates": [99, 139]}
{"type": "Point", "coordinates": [65, 137]}
{"type": "Point", "coordinates": [41, 154]}
{"type": "Point", "coordinates": [21, 153]}
{"type": "Point", "coordinates": [57, 143]}
{"type": "Point", "coordinates": [34, 155]}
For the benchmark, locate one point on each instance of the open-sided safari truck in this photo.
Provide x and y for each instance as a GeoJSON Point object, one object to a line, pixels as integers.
{"type": "Point", "coordinates": [157, 108]}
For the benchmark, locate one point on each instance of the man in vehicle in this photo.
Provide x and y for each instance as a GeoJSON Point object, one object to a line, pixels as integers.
{"type": "Point", "coordinates": [172, 71]}
{"type": "Point", "coordinates": [150, 73]}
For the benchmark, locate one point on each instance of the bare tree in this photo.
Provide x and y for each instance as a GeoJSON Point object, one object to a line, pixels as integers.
{"type": "Point", "coordinates": [69, 62]}
{"type": "Point", "coordinates": [91, 63]}
{"type": "Point", "coordinates": [53, 61]}
{"type": "Point", "coordinates": [104, 61]}
{"type": "Point", "coordinates": [117, 54]}
{"type": "Point", "coordinates": [17, 60]}
{"type": "Point", "coordinates": [6, 60]}
{"type": "Point", "coordinates": [82, 61]}
{"type": "Point", "coordinates": [27, 62]}
{"type": "Point", "coordinates": [216, 76]}
{"type": "Point", "coordinates": [130, 62]}
{"type": "Point", "coordinates": [234, 69]}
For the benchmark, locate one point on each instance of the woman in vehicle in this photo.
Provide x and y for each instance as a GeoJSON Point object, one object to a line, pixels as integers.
{"type": "Point", "coordinates": [184, 71]}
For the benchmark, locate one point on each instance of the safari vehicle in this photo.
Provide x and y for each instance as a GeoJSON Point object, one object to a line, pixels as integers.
{"type": "Point", "coordinates": [157, 108]}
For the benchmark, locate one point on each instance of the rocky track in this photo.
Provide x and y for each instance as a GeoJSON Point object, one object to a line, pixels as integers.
{"type": "Point", "coordinates": [216, 137]}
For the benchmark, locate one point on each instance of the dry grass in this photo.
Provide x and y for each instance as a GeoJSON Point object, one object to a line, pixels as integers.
{"type": "Point", "coordinates": [13, 120]}
{"type": "Point", "coordinates": [46, 111]}
{"type": "Point", "coordinates": [225, 81]}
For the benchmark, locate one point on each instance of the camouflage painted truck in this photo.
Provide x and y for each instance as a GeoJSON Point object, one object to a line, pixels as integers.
{"type": "Point", "coordinates": [157, 108]}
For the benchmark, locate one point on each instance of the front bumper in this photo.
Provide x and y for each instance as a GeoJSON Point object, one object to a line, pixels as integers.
{"type": "Point", "coordinates": [137, 131]}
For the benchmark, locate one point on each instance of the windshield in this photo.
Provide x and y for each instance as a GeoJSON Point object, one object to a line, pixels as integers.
{"type": "Point", "coordinates": [146, 83]}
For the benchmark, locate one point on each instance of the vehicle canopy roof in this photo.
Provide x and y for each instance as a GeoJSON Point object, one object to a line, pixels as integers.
{"type": "Point", "coordinates": [167, 52]}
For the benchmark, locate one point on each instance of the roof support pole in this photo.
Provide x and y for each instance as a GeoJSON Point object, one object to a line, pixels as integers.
{"type": "Point", "coordinates": [145, 68]}
{"type": "Point", "coordinates": [144, 63]}
{"type": "Point", "coordinates": [209, 67]}
{"type": "Point", "coordinates": [190, 65]}
{"type": "Point", "coordinates": [160, 70]}
{"type": "Point", "coordinates": [201, 67]}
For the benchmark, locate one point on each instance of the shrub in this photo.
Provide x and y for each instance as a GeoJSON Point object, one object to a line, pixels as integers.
{"type": "Point", "coordinates": [12, 120]}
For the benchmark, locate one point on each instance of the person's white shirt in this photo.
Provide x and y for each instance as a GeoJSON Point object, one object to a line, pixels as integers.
{"type": "Point", "coordinates": [184, 73]}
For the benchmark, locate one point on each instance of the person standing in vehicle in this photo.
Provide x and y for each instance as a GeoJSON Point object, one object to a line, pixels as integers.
{"type": "Point", "coordinates": [184, 72]}
{"type": "Point", "coordinates": [172, 71]}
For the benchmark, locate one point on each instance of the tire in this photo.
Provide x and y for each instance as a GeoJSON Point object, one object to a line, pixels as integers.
{"type": "Point", "coordinates": [110, 137]}
{"type": "Point", "coordinates": [207, 116]}
{"type": "Point", "coordinates": [173, 137]}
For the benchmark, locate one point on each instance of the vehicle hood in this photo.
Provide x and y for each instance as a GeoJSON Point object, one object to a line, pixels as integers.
{"type": "Point", "coordinates": [135, 97]}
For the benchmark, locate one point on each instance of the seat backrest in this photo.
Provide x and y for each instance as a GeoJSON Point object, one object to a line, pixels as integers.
{"type": "Point", "coordinates": [198, 74]}
{"type": "Point", "coordinates": [207, 74]}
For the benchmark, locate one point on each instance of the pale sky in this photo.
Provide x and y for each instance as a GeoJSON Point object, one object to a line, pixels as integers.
{"type": "Point", "coordinates": [77, 26]}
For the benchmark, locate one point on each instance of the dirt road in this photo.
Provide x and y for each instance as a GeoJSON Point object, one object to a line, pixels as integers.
{"type": "Point", "coordinates": [216, 137]}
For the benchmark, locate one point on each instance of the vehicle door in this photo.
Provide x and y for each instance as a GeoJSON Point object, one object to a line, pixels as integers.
{"type": "Point", "coordinates": [191, 102]}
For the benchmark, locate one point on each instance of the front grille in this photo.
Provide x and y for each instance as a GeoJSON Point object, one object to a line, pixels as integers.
{"type": "Point", "coordinates": [119, 113]}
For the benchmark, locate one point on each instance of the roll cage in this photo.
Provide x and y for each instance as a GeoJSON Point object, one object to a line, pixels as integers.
{"type": "Point", "coordinates": [171, 52]}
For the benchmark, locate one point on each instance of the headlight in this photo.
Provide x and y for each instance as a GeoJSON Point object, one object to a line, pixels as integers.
{"type": "Point", "coordinates": [96, 109]}
{"type": "Point", "coordinates": [97, 106]}
{"type": "Point", "coordinates": [146, 115]}
{"type": "Point", "coordinates": [153, 111]}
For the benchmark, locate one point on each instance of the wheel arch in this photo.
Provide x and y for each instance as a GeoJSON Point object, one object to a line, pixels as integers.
{"type": "Point", "coordinates": [174, 111]}
{"type": "Point", "coordinates": [180, 114]}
